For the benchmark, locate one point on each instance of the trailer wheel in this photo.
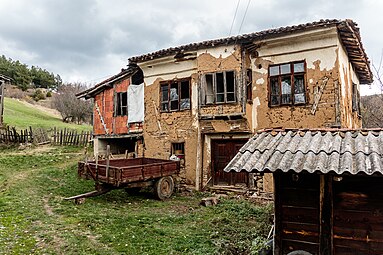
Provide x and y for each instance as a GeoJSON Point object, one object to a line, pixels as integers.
{"type": "Point", "coordinates": [299, 252]}
{"type": "Point", "coordinates": [163, 188]}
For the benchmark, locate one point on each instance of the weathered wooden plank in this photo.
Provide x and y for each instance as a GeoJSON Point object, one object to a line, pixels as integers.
{"type": "Point", "coordinates": [325, 215]}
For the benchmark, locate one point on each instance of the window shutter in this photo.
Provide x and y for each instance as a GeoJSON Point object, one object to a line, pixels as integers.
{"type": "Point", "coordinates": [202, 90]}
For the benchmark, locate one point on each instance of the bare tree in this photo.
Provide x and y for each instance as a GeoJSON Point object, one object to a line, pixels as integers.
{"type": "Point", "coordinates": [71, 108]}
{"type": "Point", "coordinates": [372, 106]}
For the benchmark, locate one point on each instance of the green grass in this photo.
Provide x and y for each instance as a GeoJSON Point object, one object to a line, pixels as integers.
{"type": "Point", "coordinates": [17, 114]}
{"type": "Point", "coordinates": [34, 218]}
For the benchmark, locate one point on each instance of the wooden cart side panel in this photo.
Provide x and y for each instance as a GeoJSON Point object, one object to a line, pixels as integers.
{"type": "Point", "coordinates": [123, 171]}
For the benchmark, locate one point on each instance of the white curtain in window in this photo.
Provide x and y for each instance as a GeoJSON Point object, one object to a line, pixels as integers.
{"type": "Point", "coordinates": [136, 103]}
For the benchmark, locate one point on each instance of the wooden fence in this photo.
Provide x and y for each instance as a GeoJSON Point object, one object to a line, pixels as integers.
{"type": "Point", "coordinates": [71, 137]}
{"type": "Point", "coordinates": [44, 136]}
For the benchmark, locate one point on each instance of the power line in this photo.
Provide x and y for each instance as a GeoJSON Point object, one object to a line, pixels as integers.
{"type": "Point", "coordinates": [244, 15]}
{"type": "Point", "coordinates": [235, 15]}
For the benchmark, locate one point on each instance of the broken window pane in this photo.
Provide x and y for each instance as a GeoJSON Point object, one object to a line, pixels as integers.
{"type": "Point", "coordinates": [220, 84]}
{"type": "Point", "coordinates": [274, 100]}
{"type": "Point", "coordinates": [121, 104]}
{"type": "Point", "coordinates": [285, 69]}
{"type": "Point", "coordinates": [230, 97]}
{"type": "Point", "coordinates": [299, 89]}
{"type": "Point", "coordinates": [174, 92]}
{"type": "Point", "coordinates": [164, 98]}
{"type": "Point", "coordinates": [274, 70]}
{"type": "Point", "coordinates": [280, 86]}
{"type": "Point", "coordinates": [174, 96]}
{"type": "Point", "coordinates": [220, 88]}
{"type": "Point", "coordinates": [185, 90]}
{"type": "Point", "coordinates": [274, 86]}
{"type": "Point", "coordinates": [173, 105]}
{"type": "Point", "coordinates": [185, 104]}
{"type": "Point", "coordinates": [209, 89]}
{"type": "Point", "coordinates": [164, 93]}
{"type": "Point", "coordinates": [230, 81]}
{"type": "Point", "coordinates": [165, 107]}
{"type": "Point", "coordinates": [299, 67]}
{"type": "Point", "coordinates": [185, 95]}
{"type": "Point", "coordinates": [286, 90]}
{"type": "Point", "coordinates": [230, 87]}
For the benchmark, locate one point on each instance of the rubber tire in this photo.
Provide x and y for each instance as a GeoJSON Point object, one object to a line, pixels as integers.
{"type": "Point", "coordinates": [299, 252]}
{"type": "Point", "coordinates": [164, 187]}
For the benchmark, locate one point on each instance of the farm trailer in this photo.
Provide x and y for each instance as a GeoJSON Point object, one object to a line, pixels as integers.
{"type": "Point", "coordinates": [133, 173]}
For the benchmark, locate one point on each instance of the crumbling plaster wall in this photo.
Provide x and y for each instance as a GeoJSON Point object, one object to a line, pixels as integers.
{"type": "Point", "coordinates": [222, 58]}
{"type": "Point", "coordinates": [319, 50]}
{"type": "Point", "coordinates": [349, 118]}
{"type": "Point", "coordinates": [161, 129]}
{"type": "Point", "coordinates": [164, 128]}
{"type": "Point", "coordinates": [207, 166]}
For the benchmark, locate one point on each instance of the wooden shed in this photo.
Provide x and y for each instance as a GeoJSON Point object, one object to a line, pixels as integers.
{"type": "Point", "coordinates": [327, 187]}
{"type": "Point", "coordinates": [3, 80]}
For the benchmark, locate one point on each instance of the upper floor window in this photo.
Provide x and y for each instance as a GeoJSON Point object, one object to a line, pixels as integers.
{"type": "Point", "coordinates": [121, 108]}
{"type": "Point", "coordinates": [175, 95]}
{"type": "Point", "coordinates": [287, 84]}
{"type": "Point", "coordinates": [219, 88]}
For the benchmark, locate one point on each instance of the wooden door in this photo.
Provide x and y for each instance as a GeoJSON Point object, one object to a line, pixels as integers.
{"type": "Point", "coordinates": [223, 151]}
{"type": "Point", "coordinates": [358, 215]}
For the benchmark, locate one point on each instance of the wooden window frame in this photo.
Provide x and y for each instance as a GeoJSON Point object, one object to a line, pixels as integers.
{"type": "Point", "coordinates": [175, 150]}
{"type": "Point", "coordinates": [121, 109]}
{"type": "Point", "coordinates": [292, 74]}
{"type": "Point", "coordinates": [168, 84]}
{"type": "Point", "coordinates": [356, 99]}
{"type": "Point", "coordinates": [215, 92]}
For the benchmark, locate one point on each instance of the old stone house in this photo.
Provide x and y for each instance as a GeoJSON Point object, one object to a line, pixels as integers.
{"type": "Point", "coordinates": [203, 101]}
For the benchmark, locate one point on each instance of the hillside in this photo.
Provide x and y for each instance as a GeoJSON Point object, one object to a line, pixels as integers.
{"type": "Point", "coordinates": [21, 115]}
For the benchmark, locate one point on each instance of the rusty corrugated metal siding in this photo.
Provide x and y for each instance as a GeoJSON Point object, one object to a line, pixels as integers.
{"type": "Point", "coordinates": [324, 151]}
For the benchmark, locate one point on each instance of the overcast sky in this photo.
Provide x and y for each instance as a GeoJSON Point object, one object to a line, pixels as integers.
{"type": "Point", "coordinates": [90, 40]}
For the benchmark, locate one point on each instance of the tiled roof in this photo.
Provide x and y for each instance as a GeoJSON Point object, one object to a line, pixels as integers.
{"type": "Point", "coordinates": [108, 82]}
{"type": "Point", "coordinates": [348, 31]}
{"type": "Point", "coordinates": [336, 151]}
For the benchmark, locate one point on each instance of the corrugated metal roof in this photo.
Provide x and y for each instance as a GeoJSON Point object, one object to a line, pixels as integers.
{"type": "Point", "coordinates": [321, 150]}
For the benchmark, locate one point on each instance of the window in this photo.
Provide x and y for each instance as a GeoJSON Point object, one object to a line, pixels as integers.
{"type": "Point", "coordinates": [355, 99]}
{"type": "Point", "coordinates": [175, 95]}
{"type": "Point", "coordinates": [287, 84]}
{"type": "Point", "coordinates": [121, 108]}
{"type": "Point", "coordinates": [178, 149]}
{"type": "Point", "coordinates": [219, 88]}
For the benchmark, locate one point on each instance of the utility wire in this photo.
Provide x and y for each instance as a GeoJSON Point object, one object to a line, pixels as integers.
{"type": "Point", "coordinates": [244, 16]}
{"type": "Point", "coordinates": [235, 15]}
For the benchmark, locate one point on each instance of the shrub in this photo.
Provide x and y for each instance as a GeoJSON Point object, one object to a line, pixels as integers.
{"type": "Point", "coordinates": [49, 94]}
{"type": "Point", "coordinates": [38, 95]}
